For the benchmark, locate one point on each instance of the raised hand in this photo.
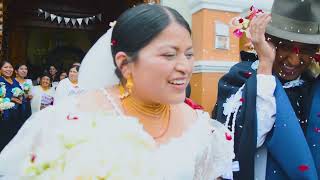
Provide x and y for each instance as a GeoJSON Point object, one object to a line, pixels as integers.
{"type": "Point", "coordinates": [265, 50]}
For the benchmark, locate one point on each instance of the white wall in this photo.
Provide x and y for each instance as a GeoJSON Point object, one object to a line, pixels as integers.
{"type": "Point", "coordinates": [182, 6]}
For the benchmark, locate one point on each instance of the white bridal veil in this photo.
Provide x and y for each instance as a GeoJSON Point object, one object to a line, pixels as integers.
{"type": "Point", "coordinates": [97, 68]}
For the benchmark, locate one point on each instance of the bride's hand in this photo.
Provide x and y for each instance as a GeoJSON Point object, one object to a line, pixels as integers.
{"type": "Point", "coordinates": [265, 50]}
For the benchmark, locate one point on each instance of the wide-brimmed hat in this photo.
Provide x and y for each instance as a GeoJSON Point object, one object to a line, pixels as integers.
{"type": "Point", "coordinates": [296, 20]}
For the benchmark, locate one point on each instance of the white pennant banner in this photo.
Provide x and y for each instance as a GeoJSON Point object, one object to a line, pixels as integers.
{"type": "Point", "coordinates": [46, 15]}
{"type": "Point", "coordinates": [99, 17]}
{"type": "Point", "coordinates": [86, 20]}
{"type": "Point", "coordinates": [79, 21]}
{"type": "Point", "coordinates": [73, 21]}
{"type": "Point", "coordinates": [52, 16]}
{"type": "Point", "coordinates": [59, 18]}
{"type": "Point", "coordinates": [40, 11]}
{"type": "Point", "coordinates": [92, 18]}
{"type": "Point", "coordinates": [66, 20]}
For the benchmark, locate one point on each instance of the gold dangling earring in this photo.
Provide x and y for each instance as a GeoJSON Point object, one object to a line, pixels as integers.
{"type": "Point", "coordinates": [129, 84]}
{"type": "Point", "coordinates": [125, 92]}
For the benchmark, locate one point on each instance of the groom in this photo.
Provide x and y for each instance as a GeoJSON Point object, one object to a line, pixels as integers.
{"type": "Point", "coordinates": [273, 103]}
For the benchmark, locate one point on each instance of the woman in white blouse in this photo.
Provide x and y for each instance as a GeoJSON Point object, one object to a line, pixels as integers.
{"type": "Point", "coordinates": [43, 95]}
{"type": "Point", "coordinates": [68, 86]}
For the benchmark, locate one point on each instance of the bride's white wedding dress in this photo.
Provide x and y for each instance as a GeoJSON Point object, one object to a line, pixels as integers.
{"type": "Point", "coordinates": [89, 135]}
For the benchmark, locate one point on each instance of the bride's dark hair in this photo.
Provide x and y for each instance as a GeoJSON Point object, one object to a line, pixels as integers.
{"type": "Point", "coordinates": [138, 26]}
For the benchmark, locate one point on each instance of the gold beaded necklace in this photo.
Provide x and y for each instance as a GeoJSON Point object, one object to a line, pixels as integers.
{"type": "Point", "coordinates": [154, 117]}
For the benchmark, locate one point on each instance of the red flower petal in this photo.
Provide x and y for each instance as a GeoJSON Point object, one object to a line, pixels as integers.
{"type": "Point", "coordinates": [114, 42]}
{"type": "Point", "coordinates": [228, 136]}
{"type": "Point", "coordinates": [242, 100]}
{"type": "Point", "coordinates": [33, 158]}
{"type": "Point", "coordinates": [303, 168]}
{"type": "Point", "coordinates": [260, 11]}
{"type": "Point", "coordinates": [240, 20]}
{"type": "Point", "coordinates": [247, 74]}
{"type": "Point", "coordinates": [238, 33]}
{"type": "Point", "coordinates": [72, 117]}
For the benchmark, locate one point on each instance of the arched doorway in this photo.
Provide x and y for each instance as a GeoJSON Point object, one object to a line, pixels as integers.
{"type": "Point", "coordinates": [30, 37]}
{"type": "Point", "coordinates": [63, 57]}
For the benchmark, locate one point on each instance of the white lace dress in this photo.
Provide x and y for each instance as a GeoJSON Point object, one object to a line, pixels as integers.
{"type": "Point", "coordinates": [65, 142]}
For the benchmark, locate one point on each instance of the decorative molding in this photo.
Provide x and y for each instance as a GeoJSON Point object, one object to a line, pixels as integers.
{"type": "Point", "coordinates": [239, 6]}
{"type": "Point", "coordinates": [209, 66]}
{"type": "Point", "coordinates": [230, 5]}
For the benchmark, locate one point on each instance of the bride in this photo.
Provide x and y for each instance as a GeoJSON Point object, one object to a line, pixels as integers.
{"type": "Point", "coordinates": [139, 128]}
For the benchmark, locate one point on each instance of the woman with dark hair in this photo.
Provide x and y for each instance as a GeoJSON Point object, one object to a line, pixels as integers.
{"type": "Point", "coordinates": [68, 86]}
{"type": "Point", "coordinates": [43, 95]}
{"type": "Point", "coordinates": [11, 118]}
{"type": "Point", "coordinates": [139, 128]}
{"type": "Point", "coordinates": [21, 71]}
{"type": "Point", "coordinates": [53, 71]}
{"type": "Point", "coordinates": [63, 75]}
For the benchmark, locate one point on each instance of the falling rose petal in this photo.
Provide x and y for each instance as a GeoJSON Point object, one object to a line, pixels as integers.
{"type": "Point", "coordinates": [114, 42]}
{"type": "Point", "coordinates": [69, 117]}
{"type": "Point", "coordinates": [228, 137]}
{"type": "Point", "coordinates": [252, 8]}
{"type": "Point", "coordinates": [240, 20]}
{"type": "Point", "coordinates": [238, 33]}
{"type": "Point", "coordinates": [303, 168]}
{"type": "Point", "coordinates": [242, 100]}
{"type": "Point", "coordinates": [247, 74]}
{"type": "Point", "coordinates": [33, 158]}
{"type": "Point", "coordinates": [317, 130]}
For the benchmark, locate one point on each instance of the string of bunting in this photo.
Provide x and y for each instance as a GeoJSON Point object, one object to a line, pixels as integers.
{"type": "Point", "coordinates": [63, 19]}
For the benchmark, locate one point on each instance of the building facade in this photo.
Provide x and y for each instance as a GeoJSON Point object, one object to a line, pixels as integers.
{"type": "Point", "coordinates": [216, 49]}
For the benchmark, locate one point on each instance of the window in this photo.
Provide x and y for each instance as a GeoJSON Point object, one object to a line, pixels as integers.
{"type": "Point", "coordinates": [222, 40]}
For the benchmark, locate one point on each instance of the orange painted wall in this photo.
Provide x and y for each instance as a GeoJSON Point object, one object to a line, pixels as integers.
{"type": "Point", "coordinates": [205, 85]}
{"type": "Point", "coordinates": [203, 29]}
{"type": "Point", "coordinates": [204, 89]}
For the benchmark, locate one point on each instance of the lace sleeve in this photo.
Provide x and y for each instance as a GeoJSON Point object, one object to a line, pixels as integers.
{"type": "Point", "coordinates": [216, 160]}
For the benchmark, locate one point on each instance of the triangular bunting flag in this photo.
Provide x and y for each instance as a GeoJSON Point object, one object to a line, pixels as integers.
{"type": "Point", "coordinates": [86, 20]}
{"type": "Point", "coordinates": [46, 15]}
{"type": "Point", "coordinates": [59, 18]}
{"type": "Point", "coordinates": [79, 21]}
{"type": "Point", "coordinates": [73, 21]}
{"type": "Point", "coordinates": [92, 18]}
{"type": "Point", "coordinates": [66, 20]}
{"type": "Point", "coordinates": [53, 16]}
{"type": "Point", "coordinates": [99, 17]}
{"type": "Point", "coordinates": [40, 11]}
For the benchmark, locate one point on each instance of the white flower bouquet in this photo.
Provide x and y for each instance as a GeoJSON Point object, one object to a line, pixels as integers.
{"type": "Point", "coordinates": [17, 92]}
{"type": "Point", "coordinates": [105, 147]}
{"type": "Point", "coordinates": [5, 103]}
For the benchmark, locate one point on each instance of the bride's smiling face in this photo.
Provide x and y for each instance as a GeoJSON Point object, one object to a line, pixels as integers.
{"type": "Point", "coordinates": [164, 67]}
